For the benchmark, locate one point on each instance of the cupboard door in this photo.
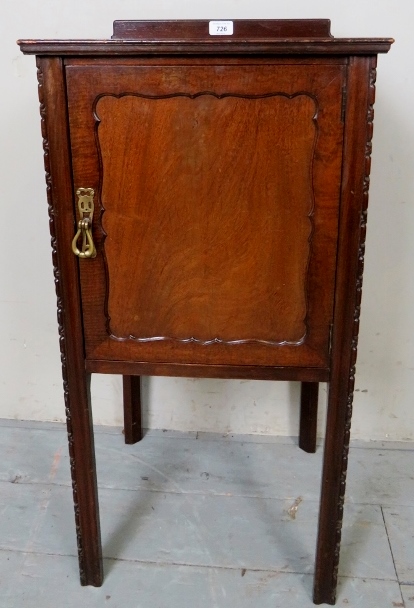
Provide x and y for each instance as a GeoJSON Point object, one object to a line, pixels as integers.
{"type": "Point", "coordinates": [216, 209]}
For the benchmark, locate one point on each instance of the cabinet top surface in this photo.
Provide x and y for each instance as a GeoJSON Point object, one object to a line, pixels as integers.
{"type": "Point", "coordinates": [195, 37]}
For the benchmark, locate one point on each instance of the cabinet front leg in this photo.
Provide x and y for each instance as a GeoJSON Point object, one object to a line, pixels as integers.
{"type": "Point", "coordinates": [333, 490]}
{"type": "Point", "coordinates": [308, 416]}
{"type": "Point", "coordinates": [76, 383]}
{"type": "Point", "coordinates": [132, 409]}
{"type": "Point", "coordinates": [83, 470]}
{"type": "Point", "coordinates": [347, 310]}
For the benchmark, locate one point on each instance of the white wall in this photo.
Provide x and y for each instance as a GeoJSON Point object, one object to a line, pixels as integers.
{"type": "Point", "coordinates": [30, 366]}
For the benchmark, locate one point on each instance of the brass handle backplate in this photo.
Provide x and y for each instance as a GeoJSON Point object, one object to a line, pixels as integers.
{"type": "Point", "coordinates": [85, 205]}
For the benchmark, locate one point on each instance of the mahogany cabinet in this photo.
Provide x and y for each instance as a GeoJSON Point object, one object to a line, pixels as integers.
{"type": "Point", "coordinates": [208, 187]}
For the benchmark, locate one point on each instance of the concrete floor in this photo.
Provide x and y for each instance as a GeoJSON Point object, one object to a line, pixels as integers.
{"type": "Point", "coordinates": [201, 520]}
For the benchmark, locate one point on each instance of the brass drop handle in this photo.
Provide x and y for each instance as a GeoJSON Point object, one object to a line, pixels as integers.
{"type": "Point", "coordinates": [86, 206]}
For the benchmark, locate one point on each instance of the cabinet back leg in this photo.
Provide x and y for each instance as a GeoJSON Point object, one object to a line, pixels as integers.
{"type": "Point", "coordinates": [132, 408]}
{"type": "Point", "coordinates": [308, 416]}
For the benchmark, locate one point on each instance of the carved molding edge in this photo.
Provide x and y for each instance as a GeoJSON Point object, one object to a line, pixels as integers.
{"type": "Point", "coordinates": [357, 314]}
{"type": "Point", "coordinates": [60, 311]}
{"type": "Point", "coordinates": [310, 216]}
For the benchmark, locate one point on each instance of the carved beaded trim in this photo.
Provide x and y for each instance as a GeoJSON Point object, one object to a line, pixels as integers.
{"type": "Point", "coordinates": [357, 314]}
{"type": "Point", "coordinates": [56, 273]}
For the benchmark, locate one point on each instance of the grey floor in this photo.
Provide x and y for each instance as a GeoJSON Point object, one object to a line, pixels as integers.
{"type": "Point", "coordinates": [201, 520]}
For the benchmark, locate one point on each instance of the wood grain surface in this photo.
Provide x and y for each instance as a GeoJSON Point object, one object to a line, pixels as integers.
{"type": "Point", "coordinates": [208, 204]}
